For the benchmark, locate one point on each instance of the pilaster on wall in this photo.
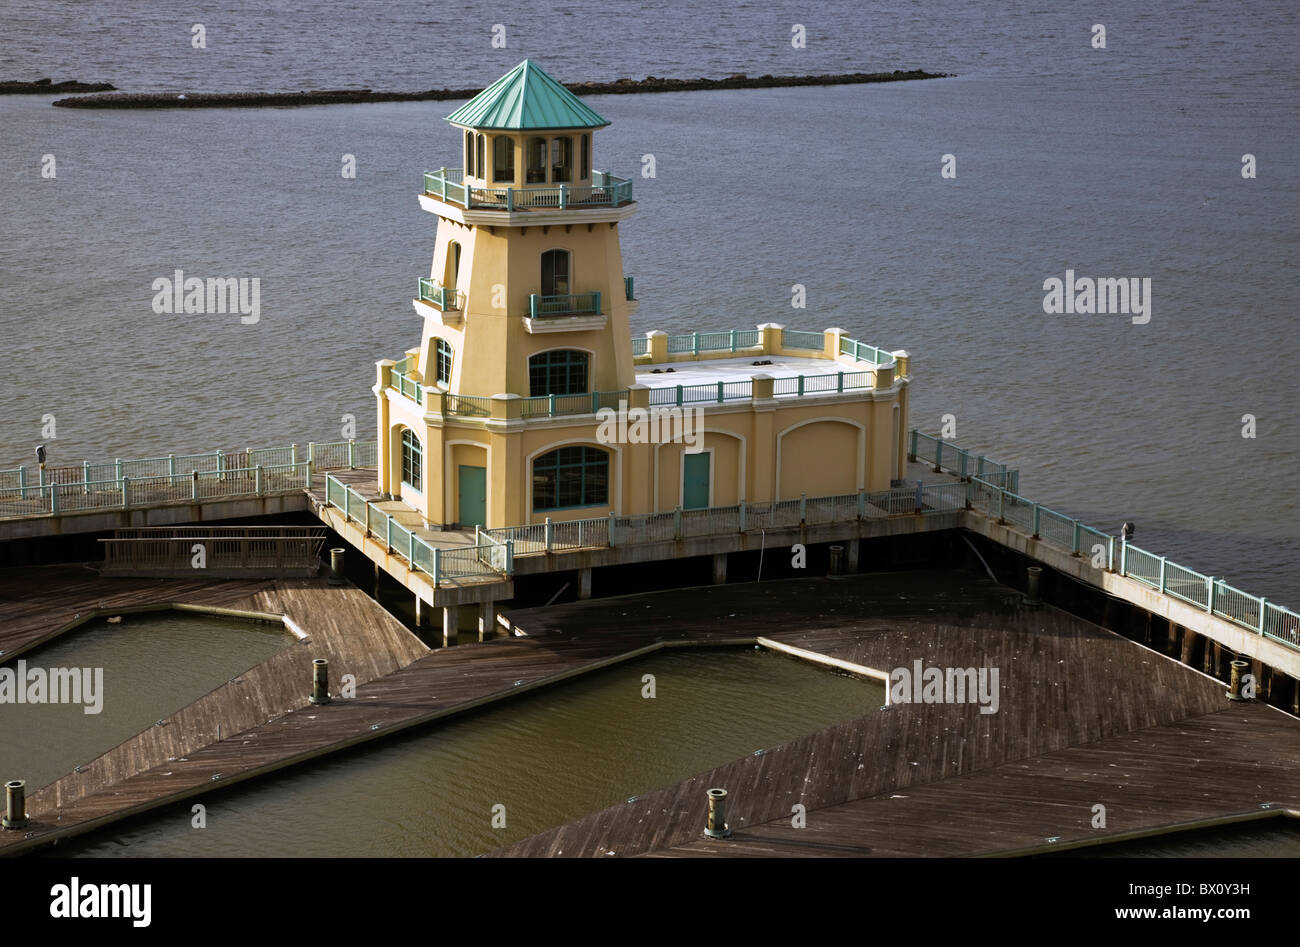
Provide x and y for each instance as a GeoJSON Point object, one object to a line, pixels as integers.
{"type": "Point", "coordinates": [507, 500]}
{"type": "Point", "coordinates": [638, 470]}
{"type": "Point", "coordinates": [762, 451]}
{"type": "Point", "coordinates": [383, 378]}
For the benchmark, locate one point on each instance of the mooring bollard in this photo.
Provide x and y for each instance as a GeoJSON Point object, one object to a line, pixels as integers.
{"type": "Point", "coordinates": [336, 566]}
{"type": "Point", "coordinates": [1031, 593]}
{"type": "Point", "coordinates": [1234, 679]}
{"type": "Point", "coordinates": [15, 816]}
{"type": "Point", "coordinates": [717, 825]}
{"type": "Point", "coordinates": [320, 681]}
{"type": "Point", "coordinates": [837, 560]}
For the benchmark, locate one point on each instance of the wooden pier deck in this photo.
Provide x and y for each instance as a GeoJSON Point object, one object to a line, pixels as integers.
{"type": "Point", "coordinates": [1086, 717]}
{"type": "Point", "coordinates": [1066, 687]}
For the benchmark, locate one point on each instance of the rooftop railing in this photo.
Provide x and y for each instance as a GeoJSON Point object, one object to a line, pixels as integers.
{"type": "Point", "coordinates": [605, 190]}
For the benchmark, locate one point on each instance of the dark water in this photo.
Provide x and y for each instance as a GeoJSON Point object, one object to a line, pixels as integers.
{"type": "Point", "coordinates": [1116, 162]}
{"type": "Point", "coordinates": [548, 757]}
{"type": "Point", "coordinates": [153, 665]}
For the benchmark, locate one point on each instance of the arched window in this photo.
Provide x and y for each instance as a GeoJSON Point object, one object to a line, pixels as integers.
{"type": "Point", "coordinates": [535, 166]}
{"type": "Point", "coordinates": [503, 159]}
{"type": "Point", "coordinates": [557, 372]}
{"type": "Point", "coordinates": [561, 160]}
{"type": "Point", "coordinates": [444, 361]}
{"type": "Point", "coordinates": [555, 273]}
{"type": "Point", "coordinates": [412, 460]}
{"type": "Point", "coordinates": [571, 476]}
{"type": "Point", "coordinates": [469, 154]}
{"type": "Point", "coordinates": [584, 168]}
{"type": "Point", "coordinates": [482, 164]}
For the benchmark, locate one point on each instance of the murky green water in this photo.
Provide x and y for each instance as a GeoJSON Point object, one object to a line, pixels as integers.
{"type": "Point", "coordinates": [548, 757]}
{"type": "Point", "coordinates": [152, 665]}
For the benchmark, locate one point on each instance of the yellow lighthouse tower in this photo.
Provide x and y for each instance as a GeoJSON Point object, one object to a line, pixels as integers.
{"type": "Point", "coordinates": [526, 294]}
{"type": "Point", "coordinates": [526, 400]}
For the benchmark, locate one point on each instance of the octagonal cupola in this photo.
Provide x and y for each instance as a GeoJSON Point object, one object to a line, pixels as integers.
{"type": "Point", "coordinates": [526, 130]}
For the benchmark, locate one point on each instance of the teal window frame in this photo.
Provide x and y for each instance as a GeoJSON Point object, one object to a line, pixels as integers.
{"type": "Point", "coordinates": [442, 359]}
{"type": "Point", "coordinates": [559, 372]}
{"type": "Point", "coordinates": [412, 460]}
{"type": "Point", "coordinates": [571, 477]}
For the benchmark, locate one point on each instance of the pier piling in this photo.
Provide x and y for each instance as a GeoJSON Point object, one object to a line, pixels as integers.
{"type": "Point", "coordinates": [1031, 592]}
{"type": "Point", "coordinates": [1234, 682]}
{"type": "Point", "coordinates": [450, 625]}
{"type": "Point", "coordinates": [320, 681]}
{"type": "Point", "coordinates": [15, 816]}
{"type": "Point", "coordinates": [336, 566]}
{"type": "Point", "coordinates": [717, 824]}
{"type": "Point", "coordinates": [487, 620]}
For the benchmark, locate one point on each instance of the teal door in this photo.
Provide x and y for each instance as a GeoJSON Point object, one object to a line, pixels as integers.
{"type": "Point", "coordinates": [695, 481]}
{"type": "Point", "coordinates": [473, 496]}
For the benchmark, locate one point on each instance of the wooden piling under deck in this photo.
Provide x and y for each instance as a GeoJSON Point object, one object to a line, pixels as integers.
{"type": "Point", "coordinates": [1067, 686]}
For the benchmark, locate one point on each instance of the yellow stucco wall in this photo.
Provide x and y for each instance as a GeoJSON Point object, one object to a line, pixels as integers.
{"type": "Point", "coordinates": [760, 450]}
{"type": "Point", "coordinates": [499, 271]}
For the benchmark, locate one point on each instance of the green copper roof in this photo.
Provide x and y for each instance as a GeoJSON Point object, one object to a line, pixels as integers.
{"type": "Point", "coordinates": [526, 98]}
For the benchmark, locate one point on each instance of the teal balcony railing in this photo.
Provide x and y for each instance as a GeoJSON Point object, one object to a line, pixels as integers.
{"type": "Point", "coordinates": [570, 304]}
{"type": "Point", "coordinates": [605, 190]}
{"type": "Point", "coordinates": [444, 297]}
{"type": "Point", "coordinates": [406, 386]}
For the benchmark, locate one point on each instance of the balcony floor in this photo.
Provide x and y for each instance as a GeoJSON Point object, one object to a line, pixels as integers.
{"type": "Point", "coordinates": [741, 368]}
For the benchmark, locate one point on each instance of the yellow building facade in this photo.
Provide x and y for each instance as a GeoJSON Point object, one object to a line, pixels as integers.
{"type": "Point", "coordinates": [527, 399]}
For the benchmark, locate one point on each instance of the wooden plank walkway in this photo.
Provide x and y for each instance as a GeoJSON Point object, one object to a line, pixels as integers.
{"type": "Point", "coordinates": [1064, 684]}
{"type": "Point", "coordinates": [1216, 766]}
{"type": "Point", "coordinates": [38, 604]}
{"type": "Point", "coordinates": [440, 683]}
{"type": "Point", "coordinates": [1081, 711]}
{"type": "Point", "coordinates": [343, 625]}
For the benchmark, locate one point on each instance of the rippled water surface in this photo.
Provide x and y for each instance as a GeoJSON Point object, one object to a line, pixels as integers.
{"type": "Point", "coordinates": [152, 665]}
{"type": "Point", "coordinates": [548, 757]}
{"type": "Point", "coordinates": [1115, 162]}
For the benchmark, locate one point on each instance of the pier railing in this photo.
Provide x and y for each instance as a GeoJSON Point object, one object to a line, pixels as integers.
{"type": "Point", "coordinates": [126, 484]}
{"type": "Point", "coordinates": [992, 493]}
{"type": "Point", "coordinates": [614, 530]}
{"type": "Point", "coordinates": [490, 558]}
{"type": "Point", "coordinates": [218, 551]}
